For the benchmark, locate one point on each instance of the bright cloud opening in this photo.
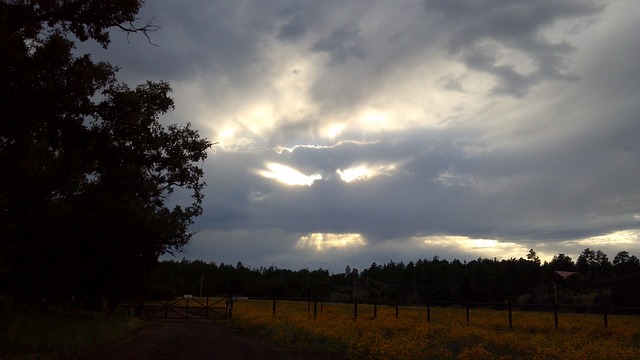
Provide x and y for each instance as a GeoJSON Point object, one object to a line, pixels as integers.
{"type": "Point", "coordinates": [325, 241]}
{"type": "Point", "coordinates": [332, 131]}
{"type": "Point", "coordinates": [228, 133]}
{"type": "Point", "coordinates": [288, 175]}
{"type": "Point", "coordinates": [375, 120]}
{"type": "Point", "coordinates": [614, 238]}
{"type": "Point", "coordinates": [484, 248]}
{"type": "Point", "coordinates": [356, 173]}
{"type": "Point", "coordinates": [363, 172]}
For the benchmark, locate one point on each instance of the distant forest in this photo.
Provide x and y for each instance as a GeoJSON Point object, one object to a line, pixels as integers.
{"type": "Point", "coordinates": [591, 280]}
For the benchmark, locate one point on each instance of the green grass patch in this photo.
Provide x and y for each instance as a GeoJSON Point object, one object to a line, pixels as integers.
{"type": "Point", "coordinates": [28, 333]}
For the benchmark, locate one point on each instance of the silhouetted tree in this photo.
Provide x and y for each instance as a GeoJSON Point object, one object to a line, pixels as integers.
{"type": "Point", "coordinates": [625, 290]}
{"type": "Point", "coordinates": [435, 280]}
{"type": "Point", "coordinates": [562, 262]}
{"type": "Point", "coordinates": [86, 165]}
{"type": "Point", "coordinates": [595, 267]}
{"type": "Point", "coordinates": [533, 256]}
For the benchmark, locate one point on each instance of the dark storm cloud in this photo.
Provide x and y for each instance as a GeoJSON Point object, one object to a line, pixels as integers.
{"type": "Point", "coordinates": [509, 120]}
{"type": "Point", "coordinates": [397, 204]}
{"type": "Point", "coordinates": [511, 81]}
{"type": "Point", "coordinates": [197, 38]}
{"type": "Point", "coordinates": [295, 23]}
{"type": "Point", "coordinates": [516, 26]}
{"type": "Point", "coordinates": [341, 44]}
{"type": "Point", "coordinates": [438, 188]}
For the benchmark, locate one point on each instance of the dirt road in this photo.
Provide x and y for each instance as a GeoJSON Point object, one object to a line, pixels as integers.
{"type": "Point", "coordinates": [193, 340]}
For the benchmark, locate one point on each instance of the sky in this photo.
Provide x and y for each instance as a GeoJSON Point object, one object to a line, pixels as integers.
{"type": "Point", "coordinates": [359, 131]}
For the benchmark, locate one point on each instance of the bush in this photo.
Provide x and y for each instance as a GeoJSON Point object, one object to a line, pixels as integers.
{"type": "Point", "coordinates": [161, 291]}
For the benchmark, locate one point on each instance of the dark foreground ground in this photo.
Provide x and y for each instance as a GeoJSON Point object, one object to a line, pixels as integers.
{"type": "Point", "coordinates": [193, 340]}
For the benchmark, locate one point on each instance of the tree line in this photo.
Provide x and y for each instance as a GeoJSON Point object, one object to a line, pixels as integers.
{"type": "Point", "coordinates": [591, 280]}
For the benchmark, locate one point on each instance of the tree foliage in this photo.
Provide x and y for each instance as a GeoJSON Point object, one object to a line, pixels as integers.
{"type": "Point", "coordinates": [88, 168]}
{"type": "Point", "coordinates": [526, 281]}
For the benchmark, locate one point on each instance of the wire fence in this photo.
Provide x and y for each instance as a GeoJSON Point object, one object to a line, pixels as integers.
{"type": "Point", "coordinates": [315, 308]}
{"type": "Point", "coordinates": [222, 308]}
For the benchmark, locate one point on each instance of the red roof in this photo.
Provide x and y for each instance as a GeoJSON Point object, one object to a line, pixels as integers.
{"type": "Point", "coordinates": [567, 274]}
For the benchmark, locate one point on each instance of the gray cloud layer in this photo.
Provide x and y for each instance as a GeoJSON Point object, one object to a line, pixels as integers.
{"type": "Point", "coordinates": [507, 120]}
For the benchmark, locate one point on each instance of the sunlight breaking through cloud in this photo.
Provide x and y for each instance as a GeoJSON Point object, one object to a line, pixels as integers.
{"type": "Point", "coordinates": [363, 172]}
{"type": "Point", "coordinates": [332, 131]}
{"type": "Point", "coordinates": [324, 241]}
{"type": "Point", "coordinates": [491, 112]}
{"type": "Point", "coordinates": [614, 238]}
{"type": "Point", "coordinates": [288, 175]}
{"type": "Point", "coordinates": [485, 248]}
{"type": "Point", "coordinates": [356, 173]}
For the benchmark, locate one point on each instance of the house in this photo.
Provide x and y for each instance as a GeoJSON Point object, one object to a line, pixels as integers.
{"type": "Point", "coordinates": [567, 275]}
{"type": "Point", "coordinates": [568, 280]}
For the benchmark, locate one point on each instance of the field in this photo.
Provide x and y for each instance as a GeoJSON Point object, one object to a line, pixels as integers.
{"type": "Point", "coordinates": [446, 336]}
{"type": "Point", "coordinates": [29, 333]}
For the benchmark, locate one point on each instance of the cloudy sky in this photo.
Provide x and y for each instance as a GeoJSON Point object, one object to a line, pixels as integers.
{"type": "Point", "coordinates": [360, 131]}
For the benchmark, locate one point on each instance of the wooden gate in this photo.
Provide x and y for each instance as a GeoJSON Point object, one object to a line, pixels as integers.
{"type": "Point", "coordinates": [187, 307]}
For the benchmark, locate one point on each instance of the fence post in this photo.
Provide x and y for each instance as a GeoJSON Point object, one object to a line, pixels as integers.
{"type": "Point", "coordinates": [229, 307]}
{"type": "Point", "coordinates": [308, 307]}
{"type": "Point", "coordinates": [375, 309]}
{"type": "Point", "coordinates": [467, 310]}
{"type": "Point", "coordinates": [510, 317]}
{"type": "Point", "coordinates": [44, 308]}
{"type": "Point", "coordinates": [321, 306]}
{"type": "Point", "coordinates": [273, 307]}
{"type": "Point", "coordinates": [315, 309]}
{"type": "Point", "coordinates": [166, 310]}
{"type": "Point", "coordinates": [555, 314]}
{"type": "Point", "coordinates": [355, 308]}
{"type": "Point", "coordinates": [428, 312]}
{"type": "Point", "coordinates": [605, 310]}
{"type": "Point", "coordinates": [186, 314]}
{"type": "Point", "coordinates": [206, 309]}
{"type": "Point", "coordinates": [396, 309]}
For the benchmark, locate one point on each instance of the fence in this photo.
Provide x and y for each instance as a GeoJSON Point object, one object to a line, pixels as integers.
{"type": "Point", "coordinates": [316, 307]}
{"type": "Point", "coordinates": [190, 308]}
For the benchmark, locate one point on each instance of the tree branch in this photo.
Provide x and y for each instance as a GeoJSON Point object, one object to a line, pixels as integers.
{"type": "Point", "coordinates": [148, 27]}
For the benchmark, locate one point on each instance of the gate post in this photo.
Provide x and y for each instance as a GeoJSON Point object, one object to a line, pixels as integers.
{"type": "Point", "coordinates": [186, 312]}
{"type": "Point", "coordinates": [206, 309]}
{"type": "Point", "coordinates": [166, 310]}
{"type": "Point", "coordinates": [229, 307]}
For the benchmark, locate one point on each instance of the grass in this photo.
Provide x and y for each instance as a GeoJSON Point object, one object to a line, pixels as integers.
{"type": "Point", "coordinates": [447, 336]}
{"type": "Point", "coordinates": [27, 333]}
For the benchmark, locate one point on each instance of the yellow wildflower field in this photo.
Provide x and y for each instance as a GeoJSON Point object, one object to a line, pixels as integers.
{"type": "Point", "coordinates": [446, 336]}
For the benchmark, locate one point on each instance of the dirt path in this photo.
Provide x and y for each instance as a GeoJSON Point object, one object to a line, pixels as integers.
{"type": "Point", "coordinates": [193, 340]}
